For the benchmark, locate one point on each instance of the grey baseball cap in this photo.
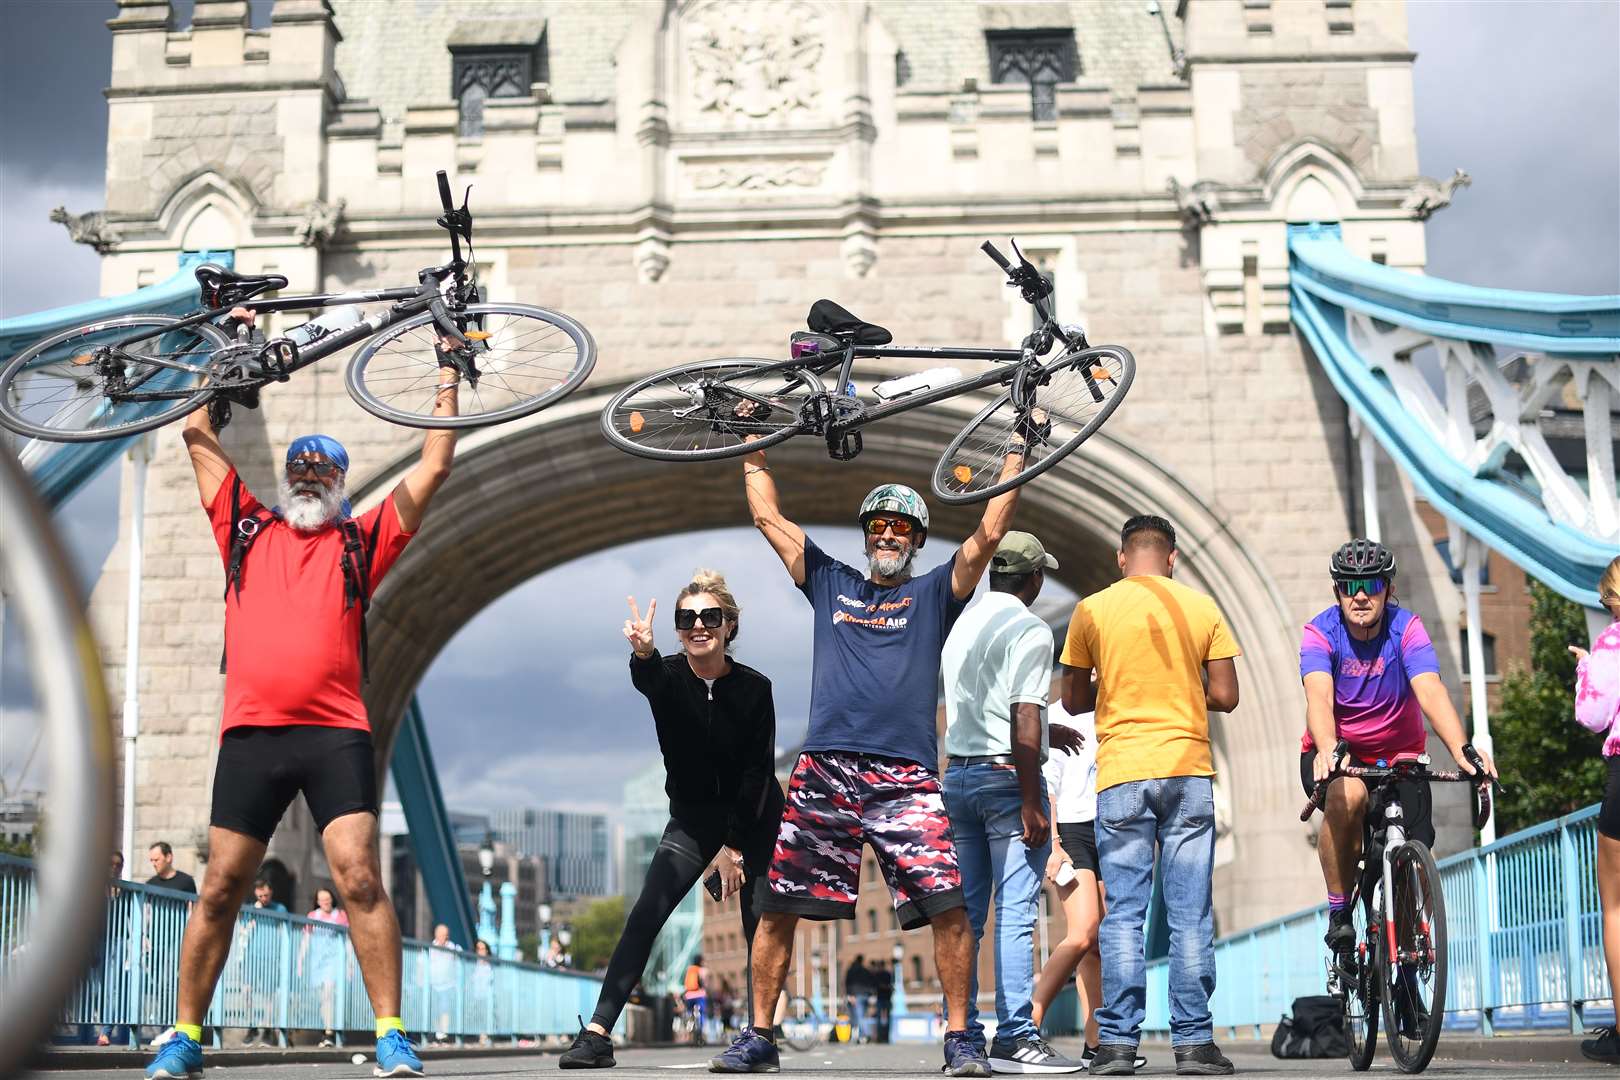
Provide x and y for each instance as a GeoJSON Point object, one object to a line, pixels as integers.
{"type": "Point", "coordinates": [1019, 553]}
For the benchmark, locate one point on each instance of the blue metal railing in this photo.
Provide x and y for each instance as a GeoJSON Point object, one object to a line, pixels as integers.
{"type": "Point", "coordinates": [287, 973]}
{"type": "Point", "coordinates": [1524, 942]}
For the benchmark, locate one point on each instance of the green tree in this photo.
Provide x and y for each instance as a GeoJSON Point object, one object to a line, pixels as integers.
{"type": "Point", "coordinates": [596, 931]}
{"type": "Point", "coordinates": [1550, 764]}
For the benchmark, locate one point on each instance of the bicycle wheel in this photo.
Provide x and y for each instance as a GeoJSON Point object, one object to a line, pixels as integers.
{"type": "Point", "coordinates": [53, 919]}
{"type": "Point", "coordinates": [80, 386]}
{"type": "Point", "coordinates": [704, 411]}
{"type": "Point", "coordinates": [1361, 992]}
{"type": "Point", "coordinates": [1070, 400]}
{"type": "Point", "coordinates": [1414, 977]}
{"type": "Point", "coordinates": [801, 1025]}
{"type": "Point", "coordinates": [527, 358]}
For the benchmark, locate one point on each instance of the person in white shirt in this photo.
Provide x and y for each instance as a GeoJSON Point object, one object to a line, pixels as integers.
{"type": "Point", "coordinates": [997, 665]}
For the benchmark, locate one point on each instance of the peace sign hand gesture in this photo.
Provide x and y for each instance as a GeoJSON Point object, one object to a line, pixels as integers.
{"type": "Point", "coordinates": [638, 631]}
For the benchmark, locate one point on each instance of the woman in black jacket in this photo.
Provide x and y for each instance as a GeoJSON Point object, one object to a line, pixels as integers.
{"type": "Point", "coordinates": [717, 731]}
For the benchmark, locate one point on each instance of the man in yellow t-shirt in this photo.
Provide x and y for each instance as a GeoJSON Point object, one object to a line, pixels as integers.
{"type": "Point", "coordinates": [1164, 661]}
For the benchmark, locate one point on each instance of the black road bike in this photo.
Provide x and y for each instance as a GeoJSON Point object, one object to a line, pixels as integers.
{"type": "Point", "coordinates": [118, 377]}
{"type": "Point", "coordinates": [732, 406]}
{"type": "Point", "coordinates": [1398, 964]}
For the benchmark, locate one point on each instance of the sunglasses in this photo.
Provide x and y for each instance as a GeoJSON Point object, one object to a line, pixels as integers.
{"type": "Point", "coordinates": [686, 618]}
{"type": "Point", "coordinates": [323, 469]}
{"type": "Point", "coordinates": [1350, 586]}
{"type": "Point", "coordinates": [876, 525]}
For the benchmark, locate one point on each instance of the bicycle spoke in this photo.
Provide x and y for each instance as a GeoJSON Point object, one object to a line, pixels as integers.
{"type": "Point", "coordinates": [710, 407]}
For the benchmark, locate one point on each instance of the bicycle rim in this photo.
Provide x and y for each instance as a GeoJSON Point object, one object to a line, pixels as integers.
{"type": "Point", "coordinates": [1418, 979]}
{"type": "Point", "coordinates": [801, 1026]}
{"type": "Point", "coordinates": [69, 388]}
{"type": "Point", "coordinates": [705, 411]}
{"type": "Point", "coordinates": [1361, 994]}
{"type": "Point", "coordinates": [528, 358]}
{"type": "Point", "coordinates": [1070, 400]}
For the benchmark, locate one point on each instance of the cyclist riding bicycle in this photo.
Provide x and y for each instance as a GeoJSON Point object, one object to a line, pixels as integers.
{"type": "Point", "coordinates": [1371, 677]}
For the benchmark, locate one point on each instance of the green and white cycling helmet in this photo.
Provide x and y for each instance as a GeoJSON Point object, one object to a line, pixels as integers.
{"type": "Point", "coordinates": [897, 499]}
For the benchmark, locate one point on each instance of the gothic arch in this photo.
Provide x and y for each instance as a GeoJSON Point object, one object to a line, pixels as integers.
{"type": "Point", "coordinates": [529, 496]}
{"type": "Point", "coordinates": [210, 210]}
{"type": "Point", "coordinates": [1307, 181]}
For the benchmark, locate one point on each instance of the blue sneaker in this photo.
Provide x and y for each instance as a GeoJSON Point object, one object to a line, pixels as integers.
{"type": "Point", "coordinates": [396, 1056]}
{"type": "Point", "coordinates": [750, 1052]}
{"type": "Point", "coordinates": [180, 1058]}
{"type": "Point", "coordinates": [963, 1056]}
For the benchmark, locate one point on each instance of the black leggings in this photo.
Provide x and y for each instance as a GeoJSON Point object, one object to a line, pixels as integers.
{"type": "Point", "coordinates": [684, 852]}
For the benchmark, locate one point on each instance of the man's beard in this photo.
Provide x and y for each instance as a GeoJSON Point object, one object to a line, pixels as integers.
{"type": "Point", "coordinates": [311, 514]}
{"type": "Point", "coordinates": [889, 564]}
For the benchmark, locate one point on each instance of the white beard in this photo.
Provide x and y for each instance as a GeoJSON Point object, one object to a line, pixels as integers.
{"type": "Point", "coordinates": [889, 564]}
{"type": "Point", "coordinates": [310, 506]}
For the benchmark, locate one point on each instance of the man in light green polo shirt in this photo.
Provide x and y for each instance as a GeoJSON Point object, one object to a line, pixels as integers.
{"type": "Point", "coordinates": [997, 665]}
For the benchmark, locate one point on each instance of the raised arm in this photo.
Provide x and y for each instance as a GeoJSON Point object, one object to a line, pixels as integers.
{"type": "Point", "coordinates": [785, 538]}
{"type": "Point", "coordinates": [412, 495]}
{"type": "Point", "coordinates": [209, 462]}
{"type": "Point", "coordinates": [973, 557]}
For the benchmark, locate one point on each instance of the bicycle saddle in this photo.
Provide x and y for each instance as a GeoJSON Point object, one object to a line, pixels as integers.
{"type": "Point", "coordinates": [827, 317]}
{"type": "Point", "coordinates": [225, 288]}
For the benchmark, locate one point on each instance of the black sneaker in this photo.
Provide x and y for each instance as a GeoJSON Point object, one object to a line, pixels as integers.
{"type": "Point", "coordinates": [1341, 932]}
{"type": "Point", "coordinates": [1030, 1056]}
{"type": "Point", "coordinates": [1203, 1059]}
{"type": "Point", "coordinates": [1091, 1051]}
{"type": "Point", "coordinates": [1604, 1048]}
{"type": "Point", "coordinates": [963, 1057]}
{"type": "Point", "coordinates": [1114, 1059]}
{"type": "Point", "coordinates": [590, 1051]}
{"type": "Point", "coordinates": [750, 1052]}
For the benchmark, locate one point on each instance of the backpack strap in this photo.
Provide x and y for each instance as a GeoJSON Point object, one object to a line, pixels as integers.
{"type": "Point", "coordinates": [244, 530]}
{"type": "Point", "coordinates": [357, 558]}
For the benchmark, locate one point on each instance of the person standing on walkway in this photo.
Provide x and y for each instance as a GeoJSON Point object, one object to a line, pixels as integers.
{"type": "Point", "coordinates": [867, 771]}
{"type": "Point", "coordinates": [998, 672]}
{"type": "Point", "coordinates": [716, 724]}
{"type": "Point", "coordinates": [1164, 661]}
{"type": "Point", "coordinates": [260, 970]}
{"type": "Point", "coordinates": [1597, 707]}
{"type": "Point", "coordinates": [299, 578]}
{"type": "Point", "coordinates": [164, 875]}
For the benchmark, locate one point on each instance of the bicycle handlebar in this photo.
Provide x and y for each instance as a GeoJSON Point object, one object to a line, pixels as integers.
{"type": "Point", "coordinates": [1001, 260]}
{"type": "Point", "coordinates": [449, 220]}
{"type": "Point", "coordinates": [1407, 770]}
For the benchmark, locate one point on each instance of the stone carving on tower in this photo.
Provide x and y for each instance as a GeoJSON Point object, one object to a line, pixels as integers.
{"type": "Point", "coordinates": [754, 62]}
{"type": "Point", "coordinates": [1432, 195]}
{"type": "Point", "coordinates": [91, 228]}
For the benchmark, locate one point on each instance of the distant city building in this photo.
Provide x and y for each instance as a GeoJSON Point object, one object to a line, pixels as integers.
{"type": "Point", "coordinates": [575, 847]}
{"type": "Point", "coordinates": [646, 811]}
{"type": "Point", "coordinates": [19, 816]}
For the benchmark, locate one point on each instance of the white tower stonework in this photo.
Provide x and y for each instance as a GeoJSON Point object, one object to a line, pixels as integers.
{"type": "Point", "coordinates": [686, 178]}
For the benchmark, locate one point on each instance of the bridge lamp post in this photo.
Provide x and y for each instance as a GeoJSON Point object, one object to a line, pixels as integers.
{"type": "Point", "coordinates": [544, 911]}
{"type": "Point", "coordinates": [898, 1003]}
{"type": "Point", "coordinates": [486, 899]}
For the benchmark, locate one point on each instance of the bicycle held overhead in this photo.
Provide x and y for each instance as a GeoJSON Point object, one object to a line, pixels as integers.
{"type": "Point", "coordinates": [119, 377]}
{"type": "Point", "coordinates": [1396, 962]}
{"type": "Point", "coordinates": [731, 406]}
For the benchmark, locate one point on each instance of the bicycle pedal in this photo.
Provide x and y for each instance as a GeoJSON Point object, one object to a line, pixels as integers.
{"type": "Point", "coordinates": [845, 448]}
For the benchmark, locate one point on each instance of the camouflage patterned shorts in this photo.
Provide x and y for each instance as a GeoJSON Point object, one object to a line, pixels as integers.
{"type": "Point", "coordinates": [839, 801]}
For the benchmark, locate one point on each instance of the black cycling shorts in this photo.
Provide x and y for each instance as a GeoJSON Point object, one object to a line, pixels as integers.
{"type": "Point", "coordinates": [1417, 801]}
{"type": "Point", "coordinates": [1608, 823]}
{"type": "Point", "coordinates": [1079, 840]}
{"type": "Point", "coordinates": [261, 771]}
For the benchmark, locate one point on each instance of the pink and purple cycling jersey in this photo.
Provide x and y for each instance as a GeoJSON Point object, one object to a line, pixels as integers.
{"type": "Point", "coordinates": [1374, 707]}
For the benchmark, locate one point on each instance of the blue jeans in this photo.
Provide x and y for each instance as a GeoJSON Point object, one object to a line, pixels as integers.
{"type": "Point", "coordinates": [1178, 814]}
{"type": "Point", "coordinates": [983, 803]}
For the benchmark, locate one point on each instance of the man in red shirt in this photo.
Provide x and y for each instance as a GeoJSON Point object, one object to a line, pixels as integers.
{"type": "Point", "coordinates": [294, 720]}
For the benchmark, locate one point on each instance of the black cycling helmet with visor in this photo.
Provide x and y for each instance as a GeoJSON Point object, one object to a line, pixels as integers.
{"type": "Point", "coordinates": [1362, 565]}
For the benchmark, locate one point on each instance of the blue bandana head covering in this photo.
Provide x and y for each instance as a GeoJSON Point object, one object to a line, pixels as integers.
{"type": "Point", "coordinates": [324, 445]}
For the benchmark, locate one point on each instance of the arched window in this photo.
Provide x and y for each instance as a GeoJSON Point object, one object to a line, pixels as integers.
{"type": "Point", "coordinates": [1039, 59]}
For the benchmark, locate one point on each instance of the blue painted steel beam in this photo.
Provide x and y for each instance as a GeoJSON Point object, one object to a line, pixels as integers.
{"type": "Point", "coordinates": [61, 469]}
{"type": "Point", "coordinates": [1326, 279]}
{"type": "Point", "coordinates": [433, 842]}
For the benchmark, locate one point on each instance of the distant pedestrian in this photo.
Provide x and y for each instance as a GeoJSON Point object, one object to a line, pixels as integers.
{"type": "Point", "coordinates": [481, 994]}
{"type": "Point", "coordinates": [442, 980]}
{"type": "Point", "coordinates": [260, 969]}
{"type": "Point", "coordinates": [858, 988]}
{"type": "Point", "coordinates": [325, 956]}
{"type": "Point", "coordinates": [1597, 706]}
{"type": "Point", "coordinates": [164, 875]}
{"type": "Point", "coordinates": [1164, 661]}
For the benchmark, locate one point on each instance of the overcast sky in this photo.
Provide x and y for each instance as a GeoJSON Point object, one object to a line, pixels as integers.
{"type": "Point", "coordinates": [1524, 96]}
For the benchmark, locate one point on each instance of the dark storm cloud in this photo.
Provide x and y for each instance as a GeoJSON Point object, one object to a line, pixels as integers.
{"type": "Point", "coordinates": [1526, 97]}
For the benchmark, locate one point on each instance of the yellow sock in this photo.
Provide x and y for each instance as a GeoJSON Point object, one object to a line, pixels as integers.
{"type": "Point", "coordinates": [385, 1024]}
{"type": "Point", "coordinates": [192, 1031]}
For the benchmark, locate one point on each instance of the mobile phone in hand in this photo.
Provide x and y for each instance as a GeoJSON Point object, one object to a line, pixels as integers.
{"type": "Point", "coordinates": [712, 883]}
{"type": "Point", "coordinates": [1064, 875]}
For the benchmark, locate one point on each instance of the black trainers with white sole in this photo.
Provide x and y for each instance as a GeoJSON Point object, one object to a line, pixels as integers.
{"type": "Point", "coordinates": [1030, 1056]}
{"type": "Point", "coordinates": [1091, 1051]}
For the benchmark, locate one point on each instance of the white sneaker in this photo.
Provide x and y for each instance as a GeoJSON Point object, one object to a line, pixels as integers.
{"type": "Point", "coordinates": [1030, 1056]}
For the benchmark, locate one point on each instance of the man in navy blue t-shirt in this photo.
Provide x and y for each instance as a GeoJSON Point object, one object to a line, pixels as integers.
{"type": "Point", "coordinates": [868, 771]}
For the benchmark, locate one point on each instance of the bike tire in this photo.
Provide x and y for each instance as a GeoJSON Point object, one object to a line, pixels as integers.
{"type": "Point", "coordinates": [33, 383]}
{"type": "Point", "coordinates": [399, 367]}
{"type": "Point", "coordinates": [1418, 912]}
{"type": "Point", "coordinates": [624, 417]}
{"type": "Point", "coordinates": [51, 935]}
{"type": "Point", "coordinates": [961, 476]}
{"type": "Point", "coordinates": [801, 1025]}
{"type": "Point", "coordinates": [1361, 995]}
